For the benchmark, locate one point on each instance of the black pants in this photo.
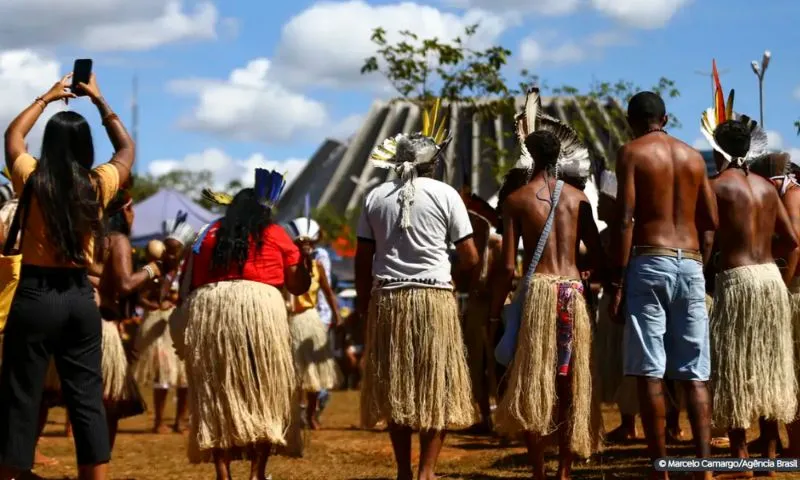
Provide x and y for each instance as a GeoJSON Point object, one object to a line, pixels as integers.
{"type": "Point", "coordinates": [53, 314]}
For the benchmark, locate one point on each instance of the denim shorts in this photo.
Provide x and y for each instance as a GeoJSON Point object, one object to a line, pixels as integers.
{"type": "Point", "coordinates": [666, 320]}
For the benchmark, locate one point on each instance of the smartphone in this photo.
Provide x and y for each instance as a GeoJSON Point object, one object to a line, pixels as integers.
{"type": "Point", "coordinates": [81, 73]}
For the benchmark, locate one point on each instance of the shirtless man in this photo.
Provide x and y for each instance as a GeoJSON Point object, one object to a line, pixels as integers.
{"type": "Point", "coordinates": [664, 200]}
{"type": "Point", "coordinates": [752, 312]}
{"type": "Point", "coordinates": [529, 403]}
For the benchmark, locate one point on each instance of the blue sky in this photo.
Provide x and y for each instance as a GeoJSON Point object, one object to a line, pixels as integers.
{"type": "Point", "coordinates": [233, 85]}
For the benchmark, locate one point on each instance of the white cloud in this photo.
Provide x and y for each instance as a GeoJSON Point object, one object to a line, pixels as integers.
{"type": "Point", "coordinates": [104, 24]}
{"type": "Point", "coordinates": [775, 140]}
{"type": "Point", "coordinates": [542, 7]}
{"type": "Point", "coordinates": [327, 43]}
{"type": "Point", "coordinates": [794, 153]}
{"type": "Point", "coordinates": [24, 76]}
{"type": "Point", "coordinates": [533, 52]}
{"type": "Point", "coordinates": [251, 105]}
{"type": "Point", "coordinates": [225, 168]}
{"type": "Point", "coordinates": [640, 13]}
{"type": "Point", "coordinates": [701, 143]}
{"type": "Point", "coordinates": [172, 26]}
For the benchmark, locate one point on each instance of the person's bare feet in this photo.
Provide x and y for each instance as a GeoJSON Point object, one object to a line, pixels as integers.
{"type": "Point", "coordinates": [675, 435]}
{"type": "Point", "coordinates": [312, 423]}
{"type": "Point", "coordinates": [179, 428]}
{"type": "Point", "coordinates": [161, 430]}
{"type": "Point", "coordinates": [621, 434]}
{"type": "Point", "coordinates": [42, 460]}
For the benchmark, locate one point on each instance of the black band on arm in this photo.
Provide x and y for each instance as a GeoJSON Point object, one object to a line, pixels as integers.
{"type": "Point", "coordinates": [364, 239]}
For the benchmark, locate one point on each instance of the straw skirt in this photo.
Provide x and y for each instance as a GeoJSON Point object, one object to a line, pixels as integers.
{"type": "Point", "coordinates": [415, 366]}
{"type": "Point", "coordinates": [238, 353]}
{"type": "Point", "coordinates": [158, 363]}
{"type": "Point", "coordinates": [530, 402]}
{"type": "Point", "coordinates": [313, 356]}
{"type": "Point", "coordinates": [114, 366]}
{"type": "Point", "coordinates": [752, 370]}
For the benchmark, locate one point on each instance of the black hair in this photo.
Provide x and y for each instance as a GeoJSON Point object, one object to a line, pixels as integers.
{"type": "Point", "coordinates": [544, 147]}
{"type": "Point", "coordinates": [645, 108]}
{"type": "Point", "coordinates": [65, 186]}
{"type": "Point", "coordinates": [733, 136]}
{"type": "Point", "coordinates": [245, 220]}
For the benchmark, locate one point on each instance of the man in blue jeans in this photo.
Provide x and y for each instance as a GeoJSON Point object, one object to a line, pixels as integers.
{"type": "Point", "coordinates": [664, 203]}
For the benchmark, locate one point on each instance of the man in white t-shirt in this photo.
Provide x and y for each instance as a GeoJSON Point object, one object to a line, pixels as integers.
{"type": "Point", "coordinates": [415, 374]}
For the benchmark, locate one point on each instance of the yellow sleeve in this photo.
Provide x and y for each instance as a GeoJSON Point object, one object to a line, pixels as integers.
{"type": "Point", "coordinates": [108, 177]}
{"type": "Point", "coordinates": [24, 165]}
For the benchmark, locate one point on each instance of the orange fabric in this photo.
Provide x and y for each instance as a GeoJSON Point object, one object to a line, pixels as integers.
{"type": "Point", "coordinates": [36, 246]}
{"type": "Point", "coordinates": [308, 300]}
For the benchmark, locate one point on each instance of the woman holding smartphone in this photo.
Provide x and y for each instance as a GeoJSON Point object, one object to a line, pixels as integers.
{"type": "Point", "coordinates": [54, 313]}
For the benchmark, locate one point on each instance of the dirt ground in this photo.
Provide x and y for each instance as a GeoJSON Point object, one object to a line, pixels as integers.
{"type": "Point", "coordinates": [339, 451]}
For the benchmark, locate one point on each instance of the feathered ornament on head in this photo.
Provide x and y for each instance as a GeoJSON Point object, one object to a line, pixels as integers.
{"type": "Point", "coordinates": [180, 230]}
{"type": "Point", "coordinates": [405, 153]}
{"type": "Point", "coordinates": [268, 186]}
{"type": "Point", "coordinates": [573, 160]}
{"type": "Point", "coordinates": [721, 112]}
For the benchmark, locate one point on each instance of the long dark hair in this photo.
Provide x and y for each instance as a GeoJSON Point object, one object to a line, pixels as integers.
{"type": "Point", "coordinates": [64, 187]}
{"type": "Point", "coordinates": [245, 219]}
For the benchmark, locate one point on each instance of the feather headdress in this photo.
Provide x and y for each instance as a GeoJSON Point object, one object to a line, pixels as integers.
{"type": "Point", "coordinates": [180, 230]}
{"type": "Point", "coordinates": [721, 112]}
{"type": "Point", "coordinates": [405, 153]}
{"type": "Point", "coordinates": [573, 160]}
{"type": "Point", "coordinates": [6, 174]}
{"type": "Point", "coordinates": [269, 185]}
{"type": "Point", "coordinates": [219, 198]}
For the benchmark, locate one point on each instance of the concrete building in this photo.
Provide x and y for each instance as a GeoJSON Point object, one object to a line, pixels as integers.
{"type": "Point", "coordinates": [338, 175]}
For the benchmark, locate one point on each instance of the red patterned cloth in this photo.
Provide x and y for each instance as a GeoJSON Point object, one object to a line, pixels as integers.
{"type": "Point", "coordinates": [566, 316]}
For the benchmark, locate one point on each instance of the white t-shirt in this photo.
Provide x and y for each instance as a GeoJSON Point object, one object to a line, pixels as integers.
{"type": "Point", "coordinates": [417, 256]}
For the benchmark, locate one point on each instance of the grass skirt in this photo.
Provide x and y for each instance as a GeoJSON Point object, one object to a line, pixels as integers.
{"type": "Point", "coordinates": [415, 365]}
{"type": "Point", "coordinates": [313, 356]}
{"type": "Point", "coordinates": [158, 364]}
{"type": "Point", "coordinates": [239, 362]}
{"type": "Point", "coordinates": [530, 401]}
{"type": "Point", "coordinates": [752, 369]}
{"type": "Point", "coordinates": [794, 300]}
{"type": "Point", "coordinates": [476, 318]}
{"type": "Point", "coordinates": [114, 366]}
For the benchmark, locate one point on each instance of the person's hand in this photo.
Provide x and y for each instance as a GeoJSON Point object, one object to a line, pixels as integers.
{"type": "Point", "coordinates": [156, 267]}
{"type": "Point", "coordinates": [59, 91]}
{"type": "Point", "coordinates": [90, 89]}
{"type": "Point", "coordinates": [614, 306]}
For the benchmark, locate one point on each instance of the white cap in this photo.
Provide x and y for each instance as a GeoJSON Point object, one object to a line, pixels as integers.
{"type": "Point", "coordinates": [304, 228]}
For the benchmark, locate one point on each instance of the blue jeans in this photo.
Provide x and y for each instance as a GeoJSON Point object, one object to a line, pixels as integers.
{"type": "Point", "coordinates": [666, 321]}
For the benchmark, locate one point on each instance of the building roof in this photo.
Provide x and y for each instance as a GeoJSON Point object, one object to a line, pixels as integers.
{"type": "Point", "coordinates": [341, 177]}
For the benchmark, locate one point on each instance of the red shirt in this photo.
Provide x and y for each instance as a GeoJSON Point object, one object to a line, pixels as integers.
{"type": "Point", "coordinates": [266, 266]}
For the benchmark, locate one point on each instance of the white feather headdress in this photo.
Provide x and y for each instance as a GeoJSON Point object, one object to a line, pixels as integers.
{"type": "Point", "coordinates": [405, 153]}
{"type": "Point", "coordinates": [723, 111]}
{"type": "Point", "coordinates": [573, 161]}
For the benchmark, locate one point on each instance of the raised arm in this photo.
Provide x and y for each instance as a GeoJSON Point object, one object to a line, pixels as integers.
{"type": "Point", "coordinates": [507, 264]}
{"type": "Point", "coordinates": [125, 280]}
{"type": "Point", "coordinates": [124, 149]}
{"type": "Point", "coordinates": [19, 128]}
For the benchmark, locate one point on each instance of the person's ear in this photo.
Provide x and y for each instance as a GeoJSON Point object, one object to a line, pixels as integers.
{"type": "Point", "coordinates": [664, 121]}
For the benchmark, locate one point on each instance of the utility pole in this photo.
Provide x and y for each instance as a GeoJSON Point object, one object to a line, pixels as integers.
{"type": "Point", "coordinates": [135, 121]}
{"type": "Point", "coordinates": [713, 86]}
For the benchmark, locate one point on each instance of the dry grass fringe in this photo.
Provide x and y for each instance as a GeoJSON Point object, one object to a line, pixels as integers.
{"type": "Point", "coordinates": [794, 300]}
{"type": "Point", "coordinates": [115, 363]}
{"type": "Point", "coordinates": [240, 367]}
{"type": "Point", "coordinates": [416, 367]}
{"type": "Point", "coordinates": [313, 356]}
{"type": "Point", "coordinates": [158, 363]}
{"type": "Point", "coordinates": [752, 369]}
{"type": "Point", "coordinates": [530, 401]}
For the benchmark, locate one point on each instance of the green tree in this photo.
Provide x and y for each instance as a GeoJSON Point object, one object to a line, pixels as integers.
{"type": "Point", "coordinates": [420, 69]}
{"type": "Point", "coordinates": [797, 126]}
{"type": "Point", "coordinates": [187, 182]}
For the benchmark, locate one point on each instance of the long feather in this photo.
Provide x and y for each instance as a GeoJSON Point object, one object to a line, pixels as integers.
{"type": "Point", "coordinates": [217, 197]}
{"type": "Point", "coordinates": [426, 122]}
{"type": "Point", "coordinates": [6, 174]}
{"type": "Point", "coordinates": [729, 106]}
{"type": "Point", "coordinates": [533, 108]}
{"type": "Point", "coordinates": [719, 99]}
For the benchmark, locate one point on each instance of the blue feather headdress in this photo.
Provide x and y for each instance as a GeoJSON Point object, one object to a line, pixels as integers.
{"type": "Point", "coordinates": [268, 186]}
